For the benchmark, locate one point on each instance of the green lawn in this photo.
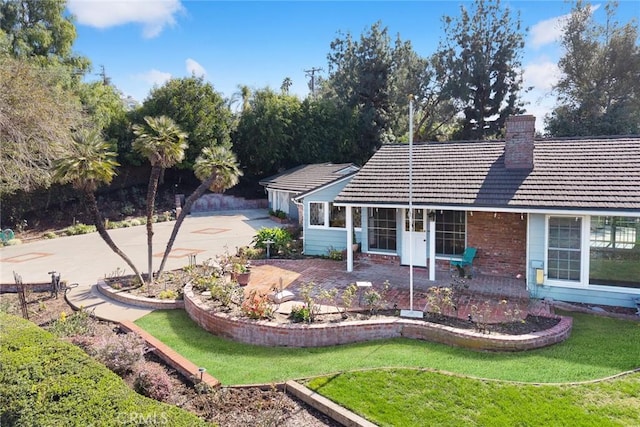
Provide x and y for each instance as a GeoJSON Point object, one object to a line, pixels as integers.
{"type": "Point", "coordinates": [598, 347]}
{"type": "Point", "coordinates": [407, 397]}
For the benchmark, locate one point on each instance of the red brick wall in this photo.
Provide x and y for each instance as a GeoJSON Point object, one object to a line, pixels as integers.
{"type": "Point", "coordinates": [501, 242]}
{"type": "Point", "coordinates": [327, 334]}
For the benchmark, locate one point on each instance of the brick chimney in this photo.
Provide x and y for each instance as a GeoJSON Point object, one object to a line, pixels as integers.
{"type": "Point", "coordinates": [518, 147]}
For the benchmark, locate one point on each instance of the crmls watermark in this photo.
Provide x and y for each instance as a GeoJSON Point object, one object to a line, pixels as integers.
{"type": "Point", "coordinates": [143, 419]}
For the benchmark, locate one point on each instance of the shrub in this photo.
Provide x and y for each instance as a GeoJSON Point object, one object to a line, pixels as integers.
{"type": "Point", "coordinates": [300, 313]}
{"type": "Point", "coordinates": [226, 292]}
{"type": "Point", "coordinates": [49, 382]}
{"type": "Point", "coordinates": [49, 235]}
{"type": "Point", "coordinates": [334, 254]}
{"type": "Point", "coordinates": [79, 228]}
{"type": "Point", "coordinates": [78, 323]}
{"type": "Point", "coordinates": [120, 353]}
{"type": "Point", "coordinates": [440, 300]}
{"type": "Point", "coordinates": [279, 236]}
{"type": "Point", "coordinates": [257, 306]}
{"type": "Point", "coordinates": [153, 381]}
{"type": "Point", "coordinates": [168, 294]}
{"type": "Point", "coordinates": [13, 242]}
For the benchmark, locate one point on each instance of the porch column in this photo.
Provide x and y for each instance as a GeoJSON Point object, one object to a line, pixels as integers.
{"type": "Point", "coordinates": [349, 227]}
{"type": "Point", "coordinates": [432, 247]}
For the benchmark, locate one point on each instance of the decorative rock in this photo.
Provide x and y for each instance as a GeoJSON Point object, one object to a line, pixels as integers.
{"type": "Point", "coordinates": [282, 296]}
{"type": "Point", "coordinates": [206, 294]}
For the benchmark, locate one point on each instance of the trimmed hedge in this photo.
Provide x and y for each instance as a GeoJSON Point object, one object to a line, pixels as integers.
{"type": "Point", "coordinates": [45, 381]}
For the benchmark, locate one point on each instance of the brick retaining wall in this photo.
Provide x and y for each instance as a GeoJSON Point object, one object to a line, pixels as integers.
{"type": "Point", "coordinates": [268, 333]}
{"type": "Point", "coordinates": [138, 301]}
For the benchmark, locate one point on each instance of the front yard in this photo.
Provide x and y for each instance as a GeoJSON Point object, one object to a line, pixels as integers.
{"type": "Point", "coordinates": [598, 347]}
{"type": "Point", "coordinates": [406, 382]}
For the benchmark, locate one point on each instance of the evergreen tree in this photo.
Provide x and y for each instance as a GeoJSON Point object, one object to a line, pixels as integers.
{"type": "Point", "coordinates": [482, 53]}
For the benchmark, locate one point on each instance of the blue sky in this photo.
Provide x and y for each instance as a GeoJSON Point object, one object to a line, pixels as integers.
{"type": "Point", "coordinates": [258, 44]}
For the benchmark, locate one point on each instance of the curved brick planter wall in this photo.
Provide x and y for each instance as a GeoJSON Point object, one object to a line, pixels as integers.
{"type": "Point", "coordinates": [318, 335]}
{"type": "Point", "coordinates": [127, 298]}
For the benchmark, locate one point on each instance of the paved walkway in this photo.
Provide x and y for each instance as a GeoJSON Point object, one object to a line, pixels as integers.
{"type": "Point", "coordinates": [86, 258]}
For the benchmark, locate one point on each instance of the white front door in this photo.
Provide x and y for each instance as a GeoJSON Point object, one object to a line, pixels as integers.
{"type": "Point", "coordinates": [414, 243]}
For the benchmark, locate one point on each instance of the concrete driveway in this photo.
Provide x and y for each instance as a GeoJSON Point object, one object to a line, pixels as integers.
{"type": "Point", "coordinates": [86, 258]}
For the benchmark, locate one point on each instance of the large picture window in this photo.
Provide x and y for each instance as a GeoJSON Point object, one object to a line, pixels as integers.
{"type": "Point", "coordinates": [382, 229]}
{"type": "Point", "coordinates": [614, 251]}
{"type": "Point", "coordinates": [451, 235]}
{"type": "Point", "coordinates": [564, 248]}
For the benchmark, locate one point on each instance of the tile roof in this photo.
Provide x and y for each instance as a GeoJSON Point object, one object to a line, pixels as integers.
{"type": "Point", "coordinates": [568, 174]}
{"type": "Point", "coordinates": [308, 177]}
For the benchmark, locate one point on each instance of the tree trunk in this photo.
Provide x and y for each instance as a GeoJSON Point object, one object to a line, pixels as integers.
{"type": "Point", "coordinates": [151, 198]}
{"type": "Point", "coordinates": [102, 231]}
{"type": "Point", "coordinates": [183, 213]}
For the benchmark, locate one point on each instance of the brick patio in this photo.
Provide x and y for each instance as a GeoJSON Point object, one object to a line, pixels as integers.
{"type": "Point", "coordinates": [482, 291]}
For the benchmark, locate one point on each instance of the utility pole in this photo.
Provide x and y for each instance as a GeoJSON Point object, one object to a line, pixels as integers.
{"type": "Point", "coordinates": [312, 84]}
{"type": "Point", "coordinates": [105, 80]}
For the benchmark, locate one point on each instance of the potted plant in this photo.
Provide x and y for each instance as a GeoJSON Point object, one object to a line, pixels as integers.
{"type": "Point", "coordinates": [240, 272]}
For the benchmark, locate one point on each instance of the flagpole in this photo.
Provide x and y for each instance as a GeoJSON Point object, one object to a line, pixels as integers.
{"type": "Point", "coordinates": [411, 202]}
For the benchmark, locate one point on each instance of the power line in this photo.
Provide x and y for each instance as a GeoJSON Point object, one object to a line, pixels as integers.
{"type": "Point", "coordinates": [312, 84]}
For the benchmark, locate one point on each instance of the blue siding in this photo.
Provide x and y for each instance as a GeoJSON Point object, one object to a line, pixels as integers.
{"type": "Point", "coordinates": [590, 295]}
{"type": "Point", "coordinates": [318, 241]}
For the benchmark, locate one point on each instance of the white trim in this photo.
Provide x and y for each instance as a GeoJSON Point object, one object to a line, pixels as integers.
{"type": "Point", "coordinates": [467, 208]}
{"type": "Point", "coordinates": [585, 261]}
{"type": "Point", "coordinates": [322, 187]}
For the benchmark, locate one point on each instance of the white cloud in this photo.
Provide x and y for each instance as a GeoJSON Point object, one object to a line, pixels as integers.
{"type": "Point", "coordinates": [194, 68]}
{"type": "Point", "coordinates": [153, 15]}
{"type": "Point", "coordinates": [542, 74]}
{"type": "Point", "coordinates": [154, 77]}
{"type": "Point", "coordinates": [550, 30]}
{"type": "Point", "coordinates": [547, 31]}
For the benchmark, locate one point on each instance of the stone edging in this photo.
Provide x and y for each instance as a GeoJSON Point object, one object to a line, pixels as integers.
{"type": "Point", "coordinates": [268, 333]}
{"type": "Point", "coordinates": [127, 298]}
{"type": "Point", "coordinates": [176, 361]}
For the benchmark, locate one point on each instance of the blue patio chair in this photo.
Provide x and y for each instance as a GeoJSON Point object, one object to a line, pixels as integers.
{"type": "Point", "coordinates": [466, 261]}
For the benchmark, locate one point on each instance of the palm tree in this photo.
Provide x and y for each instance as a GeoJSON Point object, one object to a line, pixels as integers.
{"type": "Point", "coordinates": [163, 143]}
{"type": "Point", "coordinates": [88, 164]}
{"type": "Point", "coordinates": [217, 168]}
{"type": "Point", "coordinates": [286, 84]}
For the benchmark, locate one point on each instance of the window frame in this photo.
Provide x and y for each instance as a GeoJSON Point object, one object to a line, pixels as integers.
{"type": "Point", "coordinates": [371, 229]}
{"type": "Point", "coordinates": [439, 222]}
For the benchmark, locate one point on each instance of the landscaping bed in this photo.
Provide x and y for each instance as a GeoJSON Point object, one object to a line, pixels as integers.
{"type": "Point", "coordinates": [226, 406]}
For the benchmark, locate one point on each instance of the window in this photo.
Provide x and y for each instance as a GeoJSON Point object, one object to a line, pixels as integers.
{"type": "Point", "coordinates": [614, 251]}
{"type": "Point", "coordinates": [451, 235]}
{"type": "Point", "coordinates": [316, 214]}
{"type": "Point", "coordinates": [418, 220]}
{"type": "Point", "coordinates": [357, 217]}
{"type": "Point", "coordinates": [382, 229]}
{"type": "Point", "coordinates": [337, 216]}
{"type": "Point", "coordinates": [564, 248]}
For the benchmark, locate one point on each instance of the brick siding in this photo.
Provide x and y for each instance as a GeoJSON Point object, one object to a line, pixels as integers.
{"type": "Point", "coordinates": [501, 242]}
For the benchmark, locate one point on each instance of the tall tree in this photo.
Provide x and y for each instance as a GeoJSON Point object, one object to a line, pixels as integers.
{"type": "Point", "coordinates": [163, 143]}
{"type": "Point", "coordinates": [599, 88]}
{"type": "Point", "coordinates": [197, 108]}
{"type": "Point", "coordinates": [218, 170]}
{"type": "Point", "coordinates": [40, 29]}
{"type": "Point", "coordinates": [360, 77]}
{"type": "Point", "coordinates": [286, 84]}
{"type": "Point", "coordinates": [264, 137]}
{"type": "Point", "coordinates": [36, 118]}
{"type": "Point", "coordinates": [89, 164]}
{"type": "Point", "coordinates": [483, 49]}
